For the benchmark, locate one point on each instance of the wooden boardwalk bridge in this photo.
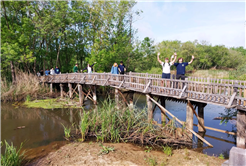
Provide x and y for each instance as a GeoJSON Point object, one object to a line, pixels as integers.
{"type": "Point", "coordinates": [196, 91]}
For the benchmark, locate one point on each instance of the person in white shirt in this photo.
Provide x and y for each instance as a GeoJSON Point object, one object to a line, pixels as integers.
{"type": "Point", "coordinates": [52, 71]}
{"type": "Point", "coordinates": [166, 65]}
{"type": "Point", "coordinates": [89, 68]}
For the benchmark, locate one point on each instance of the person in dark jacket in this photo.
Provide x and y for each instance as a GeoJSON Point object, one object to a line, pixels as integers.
{"type": "Point", "coordinates": [57, 70]}
{"type": "Point", "coordinates": [122, 68]}
{"type": "Point", "coordinates": [181, 68]}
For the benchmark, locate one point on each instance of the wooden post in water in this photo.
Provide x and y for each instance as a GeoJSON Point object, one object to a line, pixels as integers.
{"type": "Point", "coordinates": [241, 129]}
{"type": "Point", "coordinates": [117, 98]}
{"type": "Point", "coordinates": [163, 117]}
{"type": "Point", "coordinates": [201, 117]}
{"type": "Point", "coordinates": [61, 89]}
{"type": "Point", "coordinates": [70, 90]}
{"type": "Point", "coordinates": [94, 96]}
{"type": "Point", "coordinates": [189, 118]}
{"type": "Point", "coordinates": [81, 95]}
{"type": "Point", "coordinates": [150, 107]}
{"type": "Point", "coordinates": [131, 100]}
{"type": "Point", "coordinates": [51, 87]}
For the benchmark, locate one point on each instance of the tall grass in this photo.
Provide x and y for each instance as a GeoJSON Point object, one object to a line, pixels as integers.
{"type": "Point", "coordinates": [11, 156]}
{"type": "Point", "coordinates": [123, 125]}
{"type": "Point", "coordinates": [67, 131]}
{"type": "Point", "coordinates": [26, 84]}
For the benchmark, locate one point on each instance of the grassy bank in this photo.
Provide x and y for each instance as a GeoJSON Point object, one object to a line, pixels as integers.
{"type": "Point", "coordinates": [52, 103]}
{"type": "Point", "coordinates": [27, 86]}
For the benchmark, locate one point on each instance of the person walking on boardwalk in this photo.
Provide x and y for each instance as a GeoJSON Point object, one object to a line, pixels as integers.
{"type": "Point", "coordinates": [122, 68]}
{"type": "Point", "coordinates": [75, 68]}
{"type": "Point", "coordinates": [57, 70]}
{"type": "Point", "coordinates": [166, 65]}
{"type": "Point", "coordinates": [181, 68]}
{"type": "Point", "coordinates": [89, 68]}
{"type": "Point", "coordinates": [114, 69]}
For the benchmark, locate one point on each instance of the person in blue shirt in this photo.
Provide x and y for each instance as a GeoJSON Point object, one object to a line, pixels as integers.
{"type": "Point", "coordinates": [57, 70]}
{"type": "Point", "coordinates": [114, 69]}
{"type": "Point", "coordinates": [181, 68]}
{"type": "Point", "coordinates": [122, 67]}
{"type": "Point", "coordinates": [47, 72]}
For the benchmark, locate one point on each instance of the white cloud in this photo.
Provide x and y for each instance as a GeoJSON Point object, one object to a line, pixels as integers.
{"type": "Point", "coordinates": [180, 21]}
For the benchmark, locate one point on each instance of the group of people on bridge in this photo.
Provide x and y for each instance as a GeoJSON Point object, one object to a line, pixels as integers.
{"type": "Point", "coordinates": [180, 66]}
{"type": "Point", "coordinates": [121, 69]}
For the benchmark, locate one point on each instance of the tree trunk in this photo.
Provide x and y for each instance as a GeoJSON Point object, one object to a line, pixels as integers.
{"type": "Point", "coordinates": [13, 72]}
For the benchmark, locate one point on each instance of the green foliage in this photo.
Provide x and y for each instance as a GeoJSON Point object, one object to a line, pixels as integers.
{"type": "Point", "coordinates": [106, 149]}
{"type": "Point", "coordinates": [84, 123]}
{"type": "Point", "coordinates": [28, 98]}
{"type": "Point", "coordinates": [167, 150]}
{"type": "Point", "coordinates": [221, 156]}
{"type": "Point", "coordinates": [67, 131]}
{"type": "Point", "coordinates": [227, 115]}
{"type": "Point", "coordinates": [148, 149]}
{"type": "Point", "coordinates": [151, 161]}
{"type": "Point", "coordinates": [37, 35]}
{"type": "Point", "coordinates": [11, 156]}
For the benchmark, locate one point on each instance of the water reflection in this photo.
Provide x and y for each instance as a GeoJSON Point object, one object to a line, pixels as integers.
{"type": "Point", "coordinates": [41, 126]}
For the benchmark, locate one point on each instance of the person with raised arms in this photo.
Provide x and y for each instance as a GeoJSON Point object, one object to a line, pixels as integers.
{"type": "Point", "coordinates": [180, 66]}
{"type": "Point", "coordinates": [166, 65]}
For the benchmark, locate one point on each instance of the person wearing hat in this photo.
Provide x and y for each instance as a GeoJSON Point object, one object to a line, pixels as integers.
{"type": "Point", "coordinates": [166, 65]}
{"type": "Point", "coordinates": [121, 67]}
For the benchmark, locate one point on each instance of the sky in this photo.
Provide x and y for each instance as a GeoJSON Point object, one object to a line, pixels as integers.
{"type": "Point", "coordinates": [218, 23]}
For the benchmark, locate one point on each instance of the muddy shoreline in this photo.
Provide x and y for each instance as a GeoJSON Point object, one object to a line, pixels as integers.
{"type": "Point", "coordinates": [89, 153]}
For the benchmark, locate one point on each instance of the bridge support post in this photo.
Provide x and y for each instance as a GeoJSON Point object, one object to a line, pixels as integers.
{"type": "Point", "coordinates": [238, 154]}
{"type": "Point", "coordinates": [70, 90]}
{"type": "Point", "coordinates": [131, 100]}
{"type": "Point", "coordinates": [163, 117]}
{"type": "Point", "coordinates": [116, 94]}
{"type": "Point", "coordinates": [189, 118]}
{"type": "Point", "coordinates": [201, 117]}
{"type": "Point", "coordinates": [241, 129]}
{"type": "Point", "coordinates": [150, 107]}
{"type": "Point", "coordinates": [51, 87]}
{"type": "Point", "coordinates": [94, 96]}
{"type": "Point", "coordinates": [81, 95]}
{"type": "Point", "coordinates": [61, 89]}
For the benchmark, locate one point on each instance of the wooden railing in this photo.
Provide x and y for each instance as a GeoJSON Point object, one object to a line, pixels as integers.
{"type": "Point", "coordinates": [227, 93]}
{"type": "Point", "coordinates": [190, 78]}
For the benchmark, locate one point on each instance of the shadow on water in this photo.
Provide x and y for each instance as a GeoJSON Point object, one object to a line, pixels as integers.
{"type": "Point", "coordinates": [43, 127]}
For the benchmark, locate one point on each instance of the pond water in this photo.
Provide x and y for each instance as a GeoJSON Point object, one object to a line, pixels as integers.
{"type": "Point", "coordinates": [43, 127]}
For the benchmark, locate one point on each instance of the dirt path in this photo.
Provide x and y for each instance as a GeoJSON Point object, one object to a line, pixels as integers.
{"type": "Point", "coordinates": [123, 154]}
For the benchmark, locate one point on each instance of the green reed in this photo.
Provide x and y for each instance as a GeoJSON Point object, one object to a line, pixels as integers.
{"type": "Point", "coordinates": [11, 156]}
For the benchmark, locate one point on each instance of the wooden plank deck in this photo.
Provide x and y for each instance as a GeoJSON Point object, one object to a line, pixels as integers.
{"type": "Point", "coordinates": [228, 93]}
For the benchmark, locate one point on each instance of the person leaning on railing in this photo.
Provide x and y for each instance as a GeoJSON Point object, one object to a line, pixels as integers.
{"type": "Point", "coordinates": [181, 68]}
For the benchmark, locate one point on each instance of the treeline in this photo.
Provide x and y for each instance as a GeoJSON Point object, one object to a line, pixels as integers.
{"type": "Point", "coordinates": [37, 35]}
